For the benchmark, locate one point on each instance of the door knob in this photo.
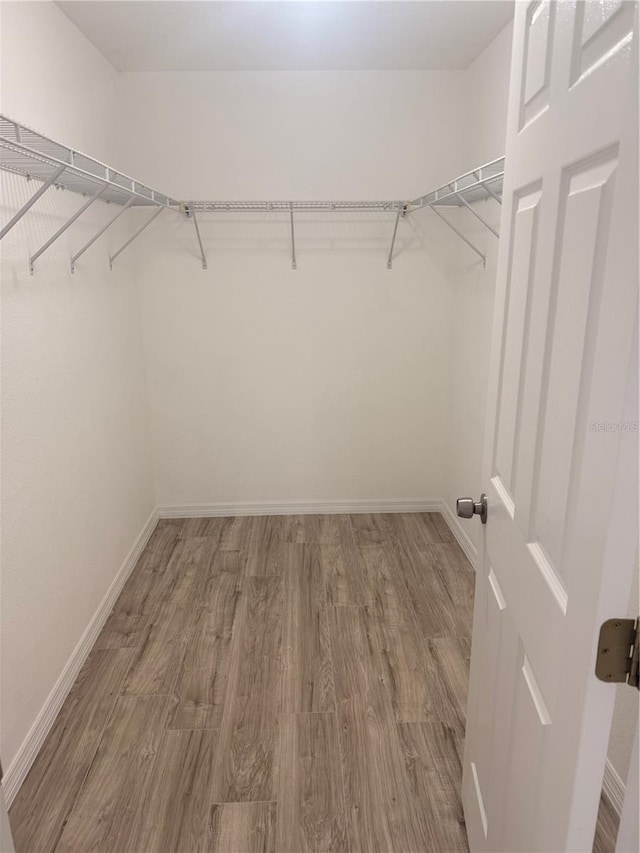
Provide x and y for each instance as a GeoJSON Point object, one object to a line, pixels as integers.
{"type": "Point", "coordinates": [467, 508]}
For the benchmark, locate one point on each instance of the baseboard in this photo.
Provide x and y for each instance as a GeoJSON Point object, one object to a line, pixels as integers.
{"type": "Point", "coordinates": [613, 787]}
{"type": "Point", "coordinates": [299, 508]}
{"type": "Point", "coordinates": [19, 767]}
{"type": "Point", "coordinates": [460, 533]}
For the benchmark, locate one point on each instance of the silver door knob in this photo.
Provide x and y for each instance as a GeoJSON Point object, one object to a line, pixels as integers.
{"type": "Point", "coordinates": [467, 508]}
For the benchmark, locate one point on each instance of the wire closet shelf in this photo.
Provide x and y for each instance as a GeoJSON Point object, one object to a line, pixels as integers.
{"type": "Point", "coordinates": [36, 157]}
{"type": "Point", "coordinates": [33, 155]}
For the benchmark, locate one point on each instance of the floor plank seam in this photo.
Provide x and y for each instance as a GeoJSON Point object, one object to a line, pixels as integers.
{"type": "Point", "coordinates": [337, 725]}
{"type": "Point", "coordinates": [369, 559]}
{"type": "Point", "coordinates": [90, 765]}
{"type": "Point", "coordinates": [246, 803]}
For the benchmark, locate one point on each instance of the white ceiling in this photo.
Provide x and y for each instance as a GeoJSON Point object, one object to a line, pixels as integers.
{"type": "Point", "coordinates": [231, 35]}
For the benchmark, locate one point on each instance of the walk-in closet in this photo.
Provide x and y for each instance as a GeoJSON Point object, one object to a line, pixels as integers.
{"type": "Point", "coordinates": [319, 402]}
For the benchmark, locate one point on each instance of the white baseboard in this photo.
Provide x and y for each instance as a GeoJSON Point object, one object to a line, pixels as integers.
{"type": "Point", "coordinates": [19, 767]}
{"type": "Point", "coordinates": [613, 787]}
{"type": "Point", "coordinates": [460, 533]}
{"type": "Point", "coordinates": [299, 508]}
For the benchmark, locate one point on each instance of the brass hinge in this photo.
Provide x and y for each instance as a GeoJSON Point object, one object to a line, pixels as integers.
{"type": "Point", "coordinates": [617, 658]}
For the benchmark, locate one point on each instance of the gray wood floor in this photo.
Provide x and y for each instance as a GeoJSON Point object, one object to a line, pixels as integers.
{"type": "Point", "coordinates": [284, 684]}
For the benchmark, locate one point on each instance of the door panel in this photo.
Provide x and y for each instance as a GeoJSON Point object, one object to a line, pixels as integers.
{"type": "Point", "coordinates": [537, 58]}
{"type": "Point", "coordinates": [524, 231]}
{"type": "Point", "coordinates": [559, 492]}
{"type": "Point", "coordinates": [599, 28]}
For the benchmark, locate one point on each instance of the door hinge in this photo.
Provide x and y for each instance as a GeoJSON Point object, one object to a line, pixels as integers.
{"type": "Point", "coordinates": [617, 658]}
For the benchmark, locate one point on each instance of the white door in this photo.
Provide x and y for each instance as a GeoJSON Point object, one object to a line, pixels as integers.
{"type": "Point", "coordinates": [560, 468]}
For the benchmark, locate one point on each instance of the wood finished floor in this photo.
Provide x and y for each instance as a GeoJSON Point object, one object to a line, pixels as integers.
{"type": "Point", "coordinates": [267, 684]}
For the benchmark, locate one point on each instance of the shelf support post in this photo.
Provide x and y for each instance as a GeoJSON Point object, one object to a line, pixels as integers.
{"type": "Point", "coordinates": [477, 216]}
{"type": "Point", "coordinates": [461, 235]}
{"type": "Point", "coordinates": [133, 237]}
{"type": "Point", "coordinates": [294, 264]}
{"type": "Point", "coordinates": [64, 227]}
{"type": "Point", "coordinates": [34, 198]}
{"type": "Point", "coordinates": [192, 214]}
{"type": "Point", "coordinates": [99, 234]}
{"type": "Point", "coordinates": [393, 239]}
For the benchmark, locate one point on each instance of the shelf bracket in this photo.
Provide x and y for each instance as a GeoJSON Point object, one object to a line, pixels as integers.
{"type": "Point", "coordinates": [294, 264]}
{"type": "Point", "coordinates": [461, 235]}
{"type": "Point", "coordinates": [486, 186]}
{"type": "Point", "coordinates": [64, 227]}
{"type": "Point", "coordinates": [192, 214]}
{"type": "Point", "coordinates": [34, 198]}
{"type": "Point", "coordinates": [99, 234]}
{"type": "Point", "coordinates": [133, 237]}
{"type": "Point", "coordinates": [401, 212]}
{"type": "Point", "coordinates": [477, 216]}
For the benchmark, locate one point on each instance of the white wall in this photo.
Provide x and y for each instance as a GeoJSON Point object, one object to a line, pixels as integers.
{"type": "Point", "coordinates": [328, 383]}
{"type": "Point", "coordinates": [488, 93]}
{"type": "Point", "coordinates": [77, 482]}
{"type": "Point", "coordinates": [292, 134]}
{"type": "Point", "coordinates": [54, 80]}
{"type": "Point", "coordinates": [474, 286]}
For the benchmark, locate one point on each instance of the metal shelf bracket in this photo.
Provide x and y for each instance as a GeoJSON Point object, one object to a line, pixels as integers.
{"type": "Point", "coordinates": [34, 198]}
{"type": "Point", "coordinates": [294, 263]}
{"type": "Point", "coordinates": [156, 213]}
{"type": "Point", "coordinates": [402, 211]}
{"type": "Point", "coordinates": [477, 216]}
{"type": "Point", "coordinates": [64, 227]}
{"type": "Point", "coordinates": [461, 235]}
{"type": "Point", "coordinates": [486, 186]}
{"type": "Point", "coordinates": [99, 234]}
{"type": "Point", "coordinates": [192, 214]}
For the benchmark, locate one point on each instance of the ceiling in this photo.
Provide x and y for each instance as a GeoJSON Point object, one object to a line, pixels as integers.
{"type": "Point", "coordinates": [233, 35]}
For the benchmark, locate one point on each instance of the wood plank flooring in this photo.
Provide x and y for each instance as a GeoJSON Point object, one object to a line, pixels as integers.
{"type": "Point", "coordinates": [289, 684]}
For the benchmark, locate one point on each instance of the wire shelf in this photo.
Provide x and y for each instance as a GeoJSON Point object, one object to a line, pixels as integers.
{"type": "Point", "coordinates": [476, 185]}
{"type": "Point", "coordinates": [25, 152]}
{"type": "Point", "coordinates": [34, 156]}
{"type": "Point", "coordinates": [295, 206]}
